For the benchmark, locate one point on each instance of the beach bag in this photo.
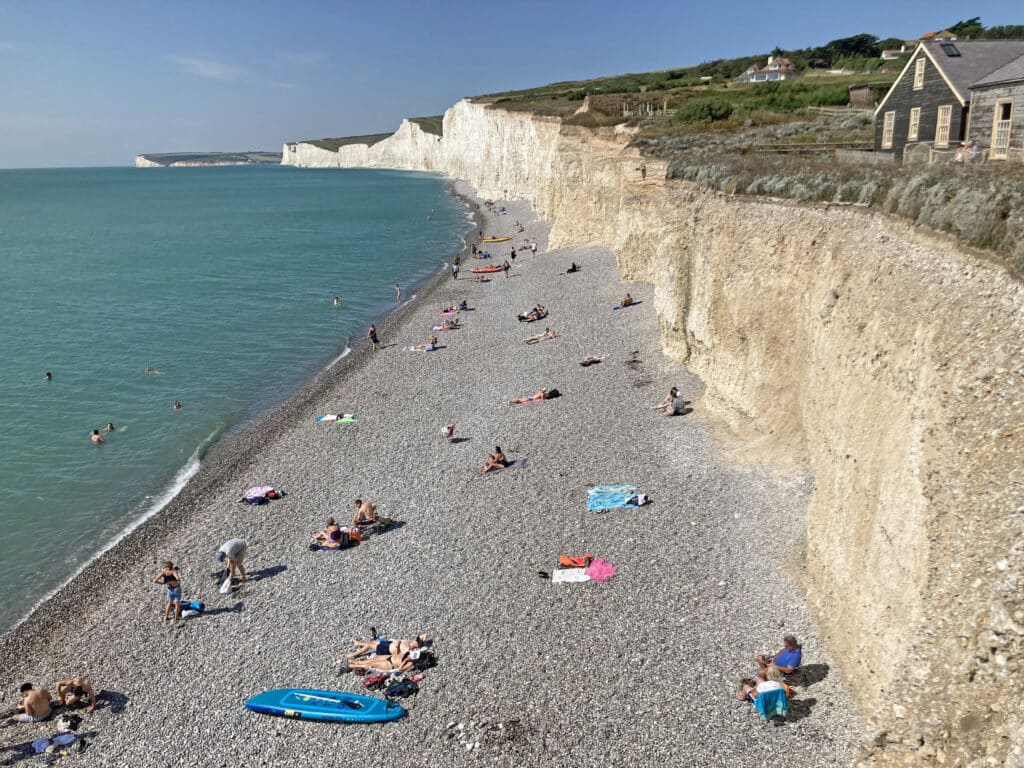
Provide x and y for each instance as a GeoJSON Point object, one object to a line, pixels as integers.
{"type": "Point", "coordinates": [427, 660]}
{"type": "Point", "coordinates": [401, 689]}
{"type": "Point", "coordinates": [354, 537]}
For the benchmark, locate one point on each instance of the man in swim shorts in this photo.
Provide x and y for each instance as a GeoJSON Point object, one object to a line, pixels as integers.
{"type": "Point", "coordinates": [34, 707]}
{"type": "Point", "coordinates": [365, 513]}
{"type": "Point", "coordinates": [75, 691]}
{"type": "Point", "coordinates": [96, 437]}
{"type": "Point", "coordinates": [233, 552]}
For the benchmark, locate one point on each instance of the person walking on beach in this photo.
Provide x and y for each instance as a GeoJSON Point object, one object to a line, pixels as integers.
{"type": "Point", "coordinates": [506, 267]}
{"type": "Point", "coordinates": [34, 707]}
{"type": "Point", "coordinates": [233, 552]}
{"type": "Point", "coordinates": [455, 271]}
{"type": "Point", "coordinates": [170, 577]}
{"type": "Point", "coordinates": [512, 255]}
{"type": "Point", "coordinates": [372, 336]}
{"type": "Point", "coordinates": [533, 247]}
{"type": "Point", "coordinates": [398, 293]}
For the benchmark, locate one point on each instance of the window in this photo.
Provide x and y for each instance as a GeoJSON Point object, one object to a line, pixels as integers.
{"type": "Point", "coordinates": [915, 124]}
{"type": "Point", "coordinates": [950, 50]}
{"type": "Point", "coordinates": [887, 125]}
{"type": "Point", "coordinates": [1001, 129]}
{"type": "Point", "coordinates": [919, 74]}
{"type": "Point", "coordinates": [942, 121]}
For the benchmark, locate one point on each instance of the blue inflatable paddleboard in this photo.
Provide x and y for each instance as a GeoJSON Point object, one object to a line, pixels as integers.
{"type": "Point", "coordinates": [312, 704]}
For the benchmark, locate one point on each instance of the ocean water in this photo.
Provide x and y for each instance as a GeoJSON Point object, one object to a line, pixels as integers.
{"type": "Point", "coordinates": [221, 279]}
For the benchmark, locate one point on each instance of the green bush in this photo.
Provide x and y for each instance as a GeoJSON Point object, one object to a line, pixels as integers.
{"type": "Point", "coordinates": [704, 111]}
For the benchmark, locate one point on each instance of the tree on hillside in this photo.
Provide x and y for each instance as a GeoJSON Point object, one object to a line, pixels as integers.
{"type": "Point", "coordinates": [890, 43]}
{"type": "Point", "coordinates": [1005, 32]}
{"type": "Point", "coordinates": [968, 28]}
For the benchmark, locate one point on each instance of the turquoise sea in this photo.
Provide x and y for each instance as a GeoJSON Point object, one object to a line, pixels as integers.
{"type": "Point", "coordinates": [221, 279]}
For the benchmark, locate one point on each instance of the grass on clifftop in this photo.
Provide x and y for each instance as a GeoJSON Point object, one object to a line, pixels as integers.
{"type": "Point", "coordinates": [434, 125]}
{"type": "Point", "coordinates": [333, 145]}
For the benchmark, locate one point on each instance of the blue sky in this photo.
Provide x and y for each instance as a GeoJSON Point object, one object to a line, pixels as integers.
{"type": "Point", "coordinates": [95, 83]}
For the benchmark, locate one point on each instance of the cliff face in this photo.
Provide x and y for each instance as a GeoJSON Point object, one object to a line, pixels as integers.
{"type": "Point", "coordinates": [408, 148]}
{"type": "Point", "coordinates": [883, 357]}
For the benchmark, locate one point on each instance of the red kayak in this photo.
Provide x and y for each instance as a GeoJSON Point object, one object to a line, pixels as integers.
{"type": "Point", "coordinates": [485, 270]}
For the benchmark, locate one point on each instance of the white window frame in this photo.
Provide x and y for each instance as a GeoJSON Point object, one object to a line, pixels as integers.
{"type": "Point", "coordinates": [919, 74]}
{"type": "Point", "coordinates": [888, 123]}
{"type": "Point", "coordinates": [1000, 144]}
{"type": "Point", "coordinates": [942, 125]}
{"type": "Point", "coordinates": [914, 125]}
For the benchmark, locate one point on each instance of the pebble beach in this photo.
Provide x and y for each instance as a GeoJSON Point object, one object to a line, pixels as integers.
{"type": "Point", "coordinates": [639, 670]}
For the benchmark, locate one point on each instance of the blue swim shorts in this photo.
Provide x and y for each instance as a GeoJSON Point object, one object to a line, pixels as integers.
{"type": "Point", "coordinates": [174, 594]}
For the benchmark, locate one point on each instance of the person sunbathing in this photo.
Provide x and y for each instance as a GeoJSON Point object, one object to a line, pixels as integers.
{"type": "Point", "coordinates": [536, 397]}
{"type": "Point", "coordinates": [447, 325]}
{"type": "Point", "coordinates": [627, 301]}
{"type": "Point", "coordinates": [495, 461]}
{"type": "Point", "coordinates": [394, 662]}
{"type": "Point", "coordinates": [330, 537]}
{"type": "Point", "coordinates": [383, 646]}
{"type": "Point", "coordinates": [548, 334]}
{"type": "Point", "coordinates": [366, 513]}
{"type": "Point", "coordinates": [430, 346]}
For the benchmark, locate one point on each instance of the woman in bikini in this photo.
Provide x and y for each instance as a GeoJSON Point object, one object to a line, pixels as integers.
{"type": "Point", "coordinates": [496, 460]}
{"type": "Point", "coordinates": [382, 646]}
{"type": "Point", "coordinates": [393, 662]}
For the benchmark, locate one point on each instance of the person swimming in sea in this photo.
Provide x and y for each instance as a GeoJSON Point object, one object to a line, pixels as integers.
{"type": "Point", "coordinates": [110, 426]}
{"type": "Point", "coordinates": [48, 376]}
{"type": "Point", "coordinates": [177, 405]}
{"type": "Point", "coordinates": [150, 370]}
{"type": "Point", "coordinates": [96, 437]}
{"type": "Point", "coordinates": [337, 301]}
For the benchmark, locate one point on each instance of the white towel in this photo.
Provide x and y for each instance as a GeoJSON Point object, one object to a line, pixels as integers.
{"type": "Point", "coordinates": [566, 575]}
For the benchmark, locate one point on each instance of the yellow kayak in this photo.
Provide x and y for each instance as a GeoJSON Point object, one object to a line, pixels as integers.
{"type": "Point", "coordinates": [495, 239]}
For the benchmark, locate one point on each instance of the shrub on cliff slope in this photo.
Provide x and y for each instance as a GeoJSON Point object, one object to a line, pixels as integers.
{"type": "Point", "coordinates": [983, 204]}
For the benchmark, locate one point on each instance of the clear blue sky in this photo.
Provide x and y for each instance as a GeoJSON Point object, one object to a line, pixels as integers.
{"type": "Point", "coordinates": [97, 82]}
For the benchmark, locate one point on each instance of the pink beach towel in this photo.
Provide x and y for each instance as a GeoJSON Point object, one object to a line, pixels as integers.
{"type": "Point", "coordinates": [600, 570]}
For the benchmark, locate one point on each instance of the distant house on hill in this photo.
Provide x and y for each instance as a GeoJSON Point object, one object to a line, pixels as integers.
{"type": "Point", "coordinates": [930, 100]}
{"type": "Point", "coordinates": [893, 53]}
{"type": "Point", "coordinates": [945, 34]}
{"type": "Point", "coordinates": [997, 111]}
{"type": "Point", "coordinates": [777, 68]}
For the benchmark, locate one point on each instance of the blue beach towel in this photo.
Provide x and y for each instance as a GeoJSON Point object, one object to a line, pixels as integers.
{"type": "Point", "coordinates": [772, 704]}
{"type": "Point", "coordinates": [605, 497]}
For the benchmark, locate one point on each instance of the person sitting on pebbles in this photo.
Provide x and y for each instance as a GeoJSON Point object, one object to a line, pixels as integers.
{"type": "Point", "coordinates": [786, 659]}
{"type": "Point", "coordinates": [35, 706]}
{"type": "Point", "coordinates": [627, 301]}
{"type": "Point", "coordinates": [330, 537]}
{"type": "Point", "coordinates": [366, 513]}
{"type": "Point", "coordinates": [496, 461]}
{"type": "Point", "coordinates": [673, 403]}
{"type": "Point", "coordinates": [74, 692]}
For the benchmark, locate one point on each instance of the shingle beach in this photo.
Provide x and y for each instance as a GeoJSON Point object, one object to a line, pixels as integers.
{"type": "Point", "coordinates": [640, 670]}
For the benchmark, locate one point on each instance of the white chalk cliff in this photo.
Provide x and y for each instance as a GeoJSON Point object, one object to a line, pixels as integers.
{"type": "Point", "coordinates": [883, 357]}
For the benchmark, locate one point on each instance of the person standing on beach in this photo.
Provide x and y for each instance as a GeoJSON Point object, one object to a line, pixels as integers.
{"type": "Point", "coordinates": [398, 293]}
{"type": "Point", "coordinates": [233, 552]}
{"type": "Point", "coordinates": [170, 577]}
{"type": "Point", "coordinates": [372, 336]}
{"type": "Point", "coordinates": [533, 247]}
{"type": "Point", "coordinates": [455, 271]}
{"type": "Point", "coordinates": [506, 266]}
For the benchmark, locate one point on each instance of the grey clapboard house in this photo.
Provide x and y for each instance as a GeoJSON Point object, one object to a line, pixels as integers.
{"type": "Point", "coordinates": [931, 99]}
{"type": "Point", "coordinates": [997, 112]}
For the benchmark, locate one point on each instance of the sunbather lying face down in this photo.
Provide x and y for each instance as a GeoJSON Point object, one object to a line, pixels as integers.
{"type": "Point", "coordinates": [536, 397]}
{"type": "Point", "coordinates": [548, 334]}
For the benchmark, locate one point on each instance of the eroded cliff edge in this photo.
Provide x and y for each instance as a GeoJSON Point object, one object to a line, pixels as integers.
{"type": "Point", "coordinates": [884, 357]}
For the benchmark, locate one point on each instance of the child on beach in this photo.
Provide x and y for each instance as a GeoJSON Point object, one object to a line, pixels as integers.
{"type": "Point", "coordinates": [170, 577]}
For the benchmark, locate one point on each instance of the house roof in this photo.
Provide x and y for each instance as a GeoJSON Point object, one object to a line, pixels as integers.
{"type": "Point", "coordinates": [1010, 73]}
{"type": "Point", "coordinates": [942, 33]}
{"type": "Point", "coordinates": [977, 58]}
